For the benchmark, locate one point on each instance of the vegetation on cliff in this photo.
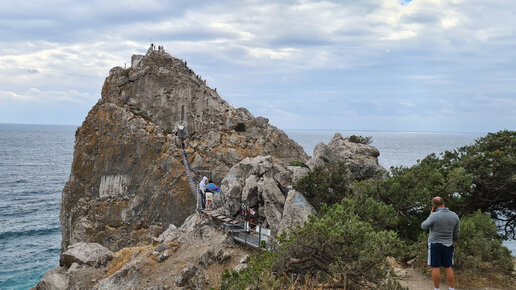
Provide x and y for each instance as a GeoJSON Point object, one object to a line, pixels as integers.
{"type": "Point", "coordinates": [359, 225]}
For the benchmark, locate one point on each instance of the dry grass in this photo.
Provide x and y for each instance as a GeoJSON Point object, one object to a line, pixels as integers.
{"type": "Point", "coordinates": [121, 258]}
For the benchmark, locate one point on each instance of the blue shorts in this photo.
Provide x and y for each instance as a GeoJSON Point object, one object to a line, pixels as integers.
{"type": "Point", "coordinates": [440, 255]}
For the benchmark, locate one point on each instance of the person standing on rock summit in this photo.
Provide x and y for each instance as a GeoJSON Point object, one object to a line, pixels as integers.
{"type": "Point", "coordinates": [444, 228]}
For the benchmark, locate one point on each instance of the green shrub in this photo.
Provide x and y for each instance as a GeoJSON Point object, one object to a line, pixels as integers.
{"type": "Point", "coordinates": [327, 184]}
{"type": "Point", "coordinates": [167, 130]}
{"type": "Point", "coordinates": [299, 164]}
{"type": "Point", "coordinates": [479, 243]}
{"type": "Point", "coordinates": [410, 191]}
{"type": "Point", "coordinates": [257, 275]}
{"type": "Point", "coordinates": [339, 248]}
{"type": "Point", "coordinates": [240, 127]}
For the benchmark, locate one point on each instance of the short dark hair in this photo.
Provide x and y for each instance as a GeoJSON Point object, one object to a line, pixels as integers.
{"type": "Point", "coordinates": [437, 201]}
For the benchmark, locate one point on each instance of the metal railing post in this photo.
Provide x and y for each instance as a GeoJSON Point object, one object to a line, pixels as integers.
{"type": "Point", "coordinates": [259, 236]}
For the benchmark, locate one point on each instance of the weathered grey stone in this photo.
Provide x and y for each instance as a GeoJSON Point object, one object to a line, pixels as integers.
{"type": "Point", "coordinates": [222, 256]}
{"type": "Point", "coordinates": [163, 256]}
{"type": "Point", "coordinates": [240, 267]}
{"type": "Point", "coordinates": [127, 277]}
{"type": "Point", "coordinates": [283, 178]}
{"type": "Point", "coordinates": [73, 268]}
{"type": "Point", "coordinates": [207, 258]}
{"type": "Point", "coordinates": [54, 279]}
{"type": "Point", "coordinates": [260, 121]}
{"type": "Point", "coordinates": [298, 172]}
{"type": "Point", "coordinates": [231, 196]}
{"type": "Point", "coordinates": [296, 211]}
{"type": "Point", "coordinates": [186, 275]}
{"type": "Point", "coordinates": [91, 254]}
{"type": "Point", "coordinates": [361, 159]}
{"type": "Point", "coordinates": [264, 186]}
{"type": "Point", "coordinates": [274, 201]}
{"type": "Point", "coordinates": [252, 191]}
{"type": "Point", "coordinates": [135, 60]}
{"type": "Point", "coordinates": [162, 247]}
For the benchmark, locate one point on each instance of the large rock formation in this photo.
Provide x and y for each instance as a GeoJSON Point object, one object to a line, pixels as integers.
{"type": "Point", "coordinates": [361, 159]}
{"type": "Point", "coordinates": [264, 186]}
{"type": "Point", "coordinates": [127, 180]}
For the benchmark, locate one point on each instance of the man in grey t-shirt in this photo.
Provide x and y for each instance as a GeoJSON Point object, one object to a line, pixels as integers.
{"type": "Point", "coordinates": [444, 231]}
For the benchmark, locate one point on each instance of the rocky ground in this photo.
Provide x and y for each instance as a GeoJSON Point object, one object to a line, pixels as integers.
{"type": "Point", "coordinates": [192, 256]}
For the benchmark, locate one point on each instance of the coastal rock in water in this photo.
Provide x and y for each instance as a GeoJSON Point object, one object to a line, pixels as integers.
{"type": "Point", "coordinates": [361, 159]}
{"type": "Point", "coordinates": [296, 210]}
{"type": "Point", "coordinates": [127, 178]}
{"type": "Point", "coordinates": [91, 254]}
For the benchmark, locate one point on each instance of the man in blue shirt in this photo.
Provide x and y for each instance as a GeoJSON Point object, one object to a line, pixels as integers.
{"type": "Point", "coordinates": [444, 231]}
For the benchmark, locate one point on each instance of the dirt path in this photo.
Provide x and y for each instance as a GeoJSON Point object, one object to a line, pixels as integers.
{"type": "Point", "coordinates": [415, 280]}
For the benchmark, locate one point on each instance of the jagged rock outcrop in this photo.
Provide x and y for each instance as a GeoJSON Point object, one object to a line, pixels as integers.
{"type": "Point", "coordinates": [361, 159]}
{"type": "Point", "coordinates": [197, 262]}
{"type": "Point", "coordinates": [127, 180]}
{"type": "Point", "coordinates": [261, 185]}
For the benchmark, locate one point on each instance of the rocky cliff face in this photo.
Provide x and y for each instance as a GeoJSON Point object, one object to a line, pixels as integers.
{"type": "Point", "coordinates": [127, 181]}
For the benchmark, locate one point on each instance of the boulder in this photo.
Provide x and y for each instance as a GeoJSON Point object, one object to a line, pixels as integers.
{"type": "Point", "coordinates": [222, 256]}
{"type": "Point", "coordinates": [207, 258]}
{"type": "Point", "coordinates": [296, 211]}
{"type": "Point", "coordinates": [252, 190]}
{"type": "Point", "coordinates": [91, 254]}
{"type": "Point", "coordinates": [298, 172]}
{"type": "Point", "coordinates": [54, 279]}
{"type": "Point", "coordinates": [127, 277]}
{"type": "Point", "coordinates": [274, 201]}
{"type": "Point", "coordinates": [185, 276]}
{"type": "Point", "coordinates": [167, 235]}
{"type": "Point", "coordinates": [361, 159]}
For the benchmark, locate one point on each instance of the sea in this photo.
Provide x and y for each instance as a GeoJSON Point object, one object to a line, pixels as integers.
{"type": "Point", "coordinates": [35, 163]}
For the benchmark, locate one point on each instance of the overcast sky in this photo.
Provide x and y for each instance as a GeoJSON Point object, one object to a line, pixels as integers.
{"type": "Point", "coordinates": [421, 65]}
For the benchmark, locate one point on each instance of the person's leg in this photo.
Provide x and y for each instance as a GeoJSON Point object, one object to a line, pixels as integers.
{"type": "Point", "coordinates": [436, 276]}
{"type": "Point", "coordinates": [435, 259]}
{"type": "Point", "coordinates": [450, 276]}
{"type": "Point", "coordinates": [447, 263]}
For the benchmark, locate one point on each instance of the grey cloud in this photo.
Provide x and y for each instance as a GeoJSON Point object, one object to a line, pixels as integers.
{"type": "Point", "coordinates": [368, 55]}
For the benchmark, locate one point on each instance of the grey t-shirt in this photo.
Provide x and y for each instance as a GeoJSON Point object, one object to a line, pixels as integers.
{"type": "Point", "coordinates": [444, 226]}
